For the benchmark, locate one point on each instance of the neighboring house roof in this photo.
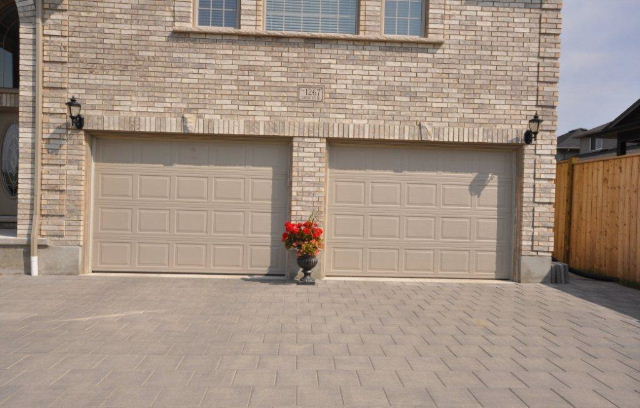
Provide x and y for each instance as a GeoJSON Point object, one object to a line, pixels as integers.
{"type": "Point", "coordinates": [569, 141]}
{"type": "Point", "coordinates": [630, 117]}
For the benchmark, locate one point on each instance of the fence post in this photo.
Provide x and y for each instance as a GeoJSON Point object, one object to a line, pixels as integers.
{"type": "Point", "coordinates": [569, 211]}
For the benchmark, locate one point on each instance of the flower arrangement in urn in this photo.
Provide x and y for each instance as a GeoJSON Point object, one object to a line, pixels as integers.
{"type": "Point", "coordinates": [306, 239]}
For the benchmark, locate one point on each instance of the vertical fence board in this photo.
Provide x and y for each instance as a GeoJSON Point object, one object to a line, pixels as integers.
{"type": "Point", "coordinates": [597, 209]}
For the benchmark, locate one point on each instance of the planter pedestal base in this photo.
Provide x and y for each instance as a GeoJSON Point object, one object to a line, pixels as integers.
{"type": "Point", "coordinates": [307, 263]}
{"type": "Point", "coordinates": [306, 279]}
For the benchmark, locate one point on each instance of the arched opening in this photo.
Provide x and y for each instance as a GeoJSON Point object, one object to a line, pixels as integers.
{"type": "Point", "coordinates": [9, 97]}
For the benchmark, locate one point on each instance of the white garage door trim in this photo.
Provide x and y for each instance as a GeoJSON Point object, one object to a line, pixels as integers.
{"type": "Point", "coordinates": [234, 234]}
{"type": "Point", "coordinates": [466, 236]}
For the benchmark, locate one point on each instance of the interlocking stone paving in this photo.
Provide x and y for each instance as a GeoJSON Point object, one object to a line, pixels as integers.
{"type": "Point", "coordinates": [120, 341]}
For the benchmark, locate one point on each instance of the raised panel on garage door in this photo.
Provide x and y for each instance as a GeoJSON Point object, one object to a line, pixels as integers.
{"type": "Point", "coordinates": [418, 211]}
{"type": "Point", "coordinates": [189, 206]}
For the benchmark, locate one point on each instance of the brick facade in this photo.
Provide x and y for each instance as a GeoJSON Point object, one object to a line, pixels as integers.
{"type": "Point", "coordinates": [483, 69]}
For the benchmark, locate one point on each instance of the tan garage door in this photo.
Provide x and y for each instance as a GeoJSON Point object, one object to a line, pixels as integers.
{"type": "Point", "coordinates": [420, 212]}
{"type": "Point", "coordinates": [189, 206]}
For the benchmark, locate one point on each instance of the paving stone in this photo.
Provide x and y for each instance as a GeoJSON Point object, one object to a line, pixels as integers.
{"type": "Point", "coordinates": [116, 378]}
{"type": "Point", "coordinates": [255, 377]}
{"type": "Point", "coordinates": [541, 398]}
{"type": "Point", "coordinates": [319, 397]}
{"type": "Point", "coordinates": [133, 397]}
{"type": "Point", "coordinates": [379, 378]}
{"type": "Point", "coordinates": [584, 398]}
{"type": "Point", "coordinates": [238, 362]}
{"type": "Point", "coordinates": [495, 397]}
{"type": "Point", "coordinates": [539, 379]}
{"type": "Point", "coordinates": [338, 378]}
{"type": "Point", "coordinates": [458, 379]}
{"type": "Point", "coordinates": [576, 379]}
{"type": "Point", "coordinates": [419, 379]}
{"type": "Point", "coordinates": [315, 363]}
{"type": "Point", "coordinates": [330, 350]}
{"type": "Point", "coordinates": [453, 397]}
{"type": "Point", "coordinates": [353, 363]}
{"type": "Point", "coordinates": [622, 398]}
{"type": "Point", "coordinates": [499, 379]}
{"type": "Point", "coordinates": [227, 397]}
{"type": "Point", "coordinates": [390, 363]}
{"type": "Point", "coordinates": [409, 397]}
{"type": "Point", "coordinates": [277, 362]}
{"type": "Point", "coordinates": [183, 396]}
{"type": "Point", "coordinates": [273, 397]}
{"type": "Point", "coordinates": [302, 378]}
{"type": "Point", "coordinates": [364, 397]}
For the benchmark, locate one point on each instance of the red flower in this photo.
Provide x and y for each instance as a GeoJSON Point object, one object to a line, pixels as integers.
{"type": "Point", "coordinates": [317, 232]}
{"type": "Point", "coordinates": [285, 236]}
{"type": "Point", "coordinates": [307, 231]}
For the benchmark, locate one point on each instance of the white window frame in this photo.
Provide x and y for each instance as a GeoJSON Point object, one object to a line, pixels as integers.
{"type": "Point", "coordinates": [357, 21]}
{"type": "Point", "coordinates": [424, 21]}
{"type": "Point", "coordinates": [196, 14]}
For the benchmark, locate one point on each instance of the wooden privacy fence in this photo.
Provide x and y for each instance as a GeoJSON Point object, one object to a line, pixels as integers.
{"type": "Point", "coordinates": [597, 216]}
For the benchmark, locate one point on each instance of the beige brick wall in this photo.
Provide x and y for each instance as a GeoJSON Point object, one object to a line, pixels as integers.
{"type": "Point", "coordinates": [137, 66]}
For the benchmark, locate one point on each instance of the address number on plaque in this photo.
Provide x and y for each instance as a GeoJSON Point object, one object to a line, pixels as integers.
{"type": "Point", "coordinates": [311, 93]}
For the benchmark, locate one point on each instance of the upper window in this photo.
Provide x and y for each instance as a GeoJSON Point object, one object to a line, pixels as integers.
{"type": "Point", "coordinates": [219, 13]}
{"type": "Point", "coordinates": [597, 144]}
{"type": "Point", "coordinates": [404, 17]}
{"type": "Point", "coordinates": [314, 16]}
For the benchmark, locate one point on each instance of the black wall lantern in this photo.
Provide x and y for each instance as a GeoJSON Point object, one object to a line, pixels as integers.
{"type": "Point", "coordinates": [74, 113]}
{"type": "Point", "coordinates": [534, 127]}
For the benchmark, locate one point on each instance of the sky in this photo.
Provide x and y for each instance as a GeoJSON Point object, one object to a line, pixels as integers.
{"type": "Point", "coordinates": [600, 61]}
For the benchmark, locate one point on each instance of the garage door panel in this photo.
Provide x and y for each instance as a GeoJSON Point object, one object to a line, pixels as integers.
{"type": "Point", "coordinates": [384, 226]}
{"type": "Point", "coordinates": [421, 195]}
{"type": "Point", "coordinates": [228, 223]}
{"type": "Point", "coordinates": [153, 255]}
{"type": "Point", "coordinates": [455, 229]}
{"type": "Point", "coordinates": [383, 260]}
{"type": "Point", "coordinates": [447, 221]}
{"type": "Point", "coordinates": [115, 220]}
{"type": "Point", "coordinates": [191, 222]}
{"type": "Point", "coordinates": [348, 193]}
{"type": "Point", "coordinates": [192, 188]}
{"type": "Point", "coordinates": [228, 189]}
{"type": "Point", "coordinates": [115, 186]}
{"type": "Point", "coordinates": [154, 187]}
{"type": "Point", "coordinates": [201, 213]}
{"type": "Point", "coordinates": [114, 253]}
{"type": "Point", "coordinates": [419, 261]}
{"type": "Point", "coordinates": [420, 228]}
{"type": "Point", "coordinates": [456, 196]}
{"type": "Point", "coordinates": [347, 226]}
{"type": "Point", "coordinates": [190, 255]}
{"type": "Point", "coordinates": [455, 261]}
{"type": "Point", "coordinates": [345, 259]}
{"type": "Point", "coordinates": [384, 194]}
{"type": "Point", "coordinates": [154, 221]}
{"type": "Point", "coordinates": [228, 256]}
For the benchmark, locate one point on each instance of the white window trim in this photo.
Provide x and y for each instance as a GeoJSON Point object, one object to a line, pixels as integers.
{"type": "Point", "coordinates": [425, 21]}
{"type": "Point", "coordinates": [196, 9]}
{"type": "Point", "coordinates": [264, 22]}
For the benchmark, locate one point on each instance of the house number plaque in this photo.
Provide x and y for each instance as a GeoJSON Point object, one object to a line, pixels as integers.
{"type": "Point", "coordinates": [311, 93]}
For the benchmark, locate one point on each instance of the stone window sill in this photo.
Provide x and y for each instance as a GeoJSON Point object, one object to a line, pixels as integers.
{"type": "Point", "coordinates": [321, 36]}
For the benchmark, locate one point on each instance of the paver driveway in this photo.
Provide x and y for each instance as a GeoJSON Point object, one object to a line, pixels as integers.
{"type": "Point", "coordinates": [179, 342]}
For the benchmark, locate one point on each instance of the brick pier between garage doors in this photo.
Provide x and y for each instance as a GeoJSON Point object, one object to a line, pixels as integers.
{"type": "Point", "coordinates": [212, 204]}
